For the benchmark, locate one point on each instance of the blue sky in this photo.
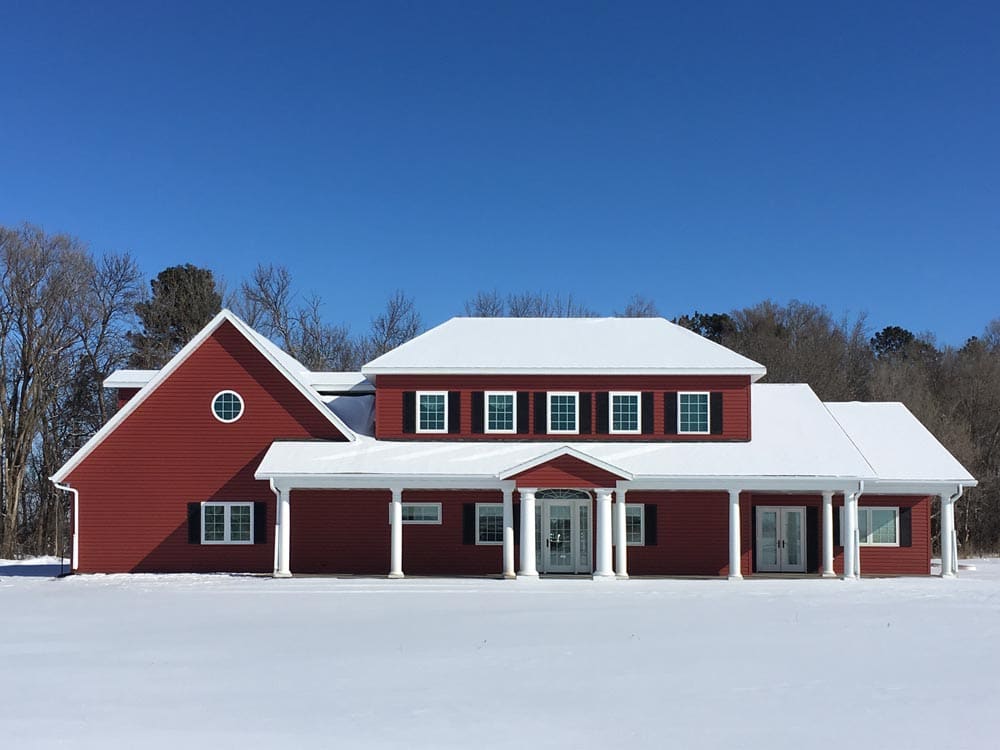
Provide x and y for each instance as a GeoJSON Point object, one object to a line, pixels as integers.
{"type": "Point", "coordinates": [706, 155]}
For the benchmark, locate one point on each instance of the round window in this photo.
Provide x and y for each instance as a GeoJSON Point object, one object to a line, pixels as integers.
{"type": "Point", "coordinates": [227, 406]}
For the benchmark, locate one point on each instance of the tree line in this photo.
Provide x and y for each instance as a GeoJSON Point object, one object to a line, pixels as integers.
{"type": "Point", "coordinates": [70, 317]}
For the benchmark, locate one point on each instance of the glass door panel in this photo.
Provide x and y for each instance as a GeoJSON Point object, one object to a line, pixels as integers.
{"type": "Point", "coordinates": [560, 538]}
{"type": "Point", "coordinates": [768, 558]}
{"type": "Point", "coordinates": [584, 550]}
{"type": "Point", "coordinates": [791, 542]}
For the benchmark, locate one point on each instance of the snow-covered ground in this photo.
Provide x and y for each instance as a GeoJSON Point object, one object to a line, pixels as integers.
{"type": "Point", "coordinates": [240, 662]}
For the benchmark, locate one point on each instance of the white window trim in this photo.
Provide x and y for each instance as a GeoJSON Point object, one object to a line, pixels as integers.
{"type": "Point", "coordinates": [239, 398]}
{"type": "Point", "coordinates": [479, 542]}
{"type": "Point", "coordinates": [226, 521]}
{"type": "Point", "coordinates": [421, 394]}
{"type": "Point", "coordinates": [642, 525]}
{"type": "Point", "coordinates": [708, 399]}
{"type": "Point", "coordinates": [638, 412]}
{"type": "Point", "coordinates": [548, 403]}
{"type": "Point", "coordinates": [486, 412]}
{"type": "Point", "coordinates": [419, 523]}
{"type": "Point", "coordinates": [868, 509]}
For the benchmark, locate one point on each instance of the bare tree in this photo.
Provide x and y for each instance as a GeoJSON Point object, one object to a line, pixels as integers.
{"type": "Point", "coordinates": [542, 305]}
{"type": "Point", "coordinates": [639, 307]}
{"type": "Point", "coordinates": [486, 305]}
{"type": "Point", "coordinates": [396, 324]}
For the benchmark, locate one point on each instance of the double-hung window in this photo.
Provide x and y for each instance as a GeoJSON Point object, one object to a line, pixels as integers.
{"type": "Point", "coordinates": [489, 523]}
{"type": "Point", "coordinates": [625, 413]}
{"type": "Point", "coordinates": [432, 411]}
{"type": "Point", "coordinates": [564, 413]}
{"type": "Point", "coordinates": [635, 525]}
{"type": "Point", "coordinates": [226, 523]}
{"type": "Point", "coordinates": [501, 413]}
{"type": "Point", "coordinates": [692, 413]}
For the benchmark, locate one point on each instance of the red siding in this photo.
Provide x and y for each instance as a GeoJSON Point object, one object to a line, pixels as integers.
{"type": "Point", "coordinates": [390, 389]}
{"type": "Point", "coordinates": [913, 560]}
{"type": "Point", "coordinates": [125, 395]}
{"type": "Point", "coordinates": [347, 531]}
{"type": "Point", "coordinates": [135, 486]}
{"type": "Point", "coordinates": [566, 471]}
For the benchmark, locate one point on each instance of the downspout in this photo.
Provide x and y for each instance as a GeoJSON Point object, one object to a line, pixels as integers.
{"type": "Point", "coordinates": [954, 532]}
{"type": "Point", "coordinates": [277, 512]}
{"type": "Point", "coordinates": [76, 522]}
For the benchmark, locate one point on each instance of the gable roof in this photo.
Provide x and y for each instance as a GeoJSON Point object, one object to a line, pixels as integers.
{"type": "Point", "coordinates": [565, 450]}
{"type": "Point", "coordinates": [578, 346]}
{"type": "Point", "coordinates": [290, 368]}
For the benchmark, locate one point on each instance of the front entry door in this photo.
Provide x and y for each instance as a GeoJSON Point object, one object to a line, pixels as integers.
{"type": "Point", "coordinates": [781, 540]}
{"type": "Point", "coordinates": [563, 531]}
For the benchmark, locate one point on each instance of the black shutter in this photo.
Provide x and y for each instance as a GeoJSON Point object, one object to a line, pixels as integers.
{"type": "Point", "coordinates": [522, 413]}
{"type": "Point", "coordinates": [586, 407]}
{"type": "Point", "coordinates": [260, 523]}
{"type": "Point", "coordinates": [648, 413]}
{"type": "Point", "coordinates": [905, 527]}
{"type": "Point", "coordinates": [670, 412]}
{"type": "Point", "coordinates": [753, 539]}
{"type": "Point", "coordinates": [837, 542]}
{"type": "Point", "coordinates": [409, 412]}
{"type": "Point", "coordinates": [454, 412]}
{"type": "Point", "coordinates": [541, 414]}
{"type": "Point", "coordinates": [812, 540]}
{"type": "Point", "coordinates": [715, 413]}
{"type": "Point", "coordinates": [602, 412]}
{"type": "Point", "coordinates": [649, 524]}
{"type": "Point", "coordinates": [468, 523]}
{"type": "Point", "coordinates": [478, 409]}
{"type": "Point", "coordinates": [194, 523]}
{"type": "Point", "coordinates": [517, 523]}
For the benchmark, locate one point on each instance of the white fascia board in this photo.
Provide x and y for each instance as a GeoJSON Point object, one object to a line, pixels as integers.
{"type": "Point", "coordinates": [383, 481]}
{"type": "Point", "coordinates": [908, 487]}
{"type": "Point", "coordinates": [754, 373]}
{"type": "Point", "coordinates": [128, 378]}
{"type": "Point", "coordinates": [564, 450]}
{"type": "Point", "coordinates": [745, 483]}
{"type": "Point", "coordinates": [167, 370]}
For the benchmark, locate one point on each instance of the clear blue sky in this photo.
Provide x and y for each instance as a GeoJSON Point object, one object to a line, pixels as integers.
{"type": "Point", "coordinates": [707, 155]}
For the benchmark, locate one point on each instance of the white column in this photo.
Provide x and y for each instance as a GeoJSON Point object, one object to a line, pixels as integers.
{"type": "Point", "coordinates": [396, 534]}
{"type": "Point", "coordinates": [735, 550]}
{"type": "Point", "coordinates": [508, 533]}
{"type": "Point", "coordinates": [282, 539]}
{"type": "Point", "coordinates": [850, 529]}
{"type": "Point", "coordinates": [528, 534]}
{"type": "Point", "coordinates": [828, 535]}
{"type": "Point", "coordinates": [603, 569]}
{"type": "Point", "coordinates": [947, 537]}
{"type": "Point", "coordinates": [621, 545]}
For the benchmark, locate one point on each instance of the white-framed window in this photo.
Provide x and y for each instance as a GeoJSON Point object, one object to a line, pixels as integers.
{"type": "Point", "coordinates": [635, 525]}
{"type": "Point", "coordinates": [489, 523]}
{"type": "Point", "coordinates": [227, 406]}
{"type": "Point", "coordinates": [500, 411]}
{"type": "Point", "coordinates": [624, 418]}
{"type": "Point", "coordinates": [692, 413]}
{"type": "Point", "coordinates": [564, 412]}
{"type": "Point", "coordinates": [419, 513]}
{"type": "Point", "coordinates": [432, 411]}
{"type": "Point", "coordinates": [226, 523]}
{"type": "Point", "coordinates": [878, 526]}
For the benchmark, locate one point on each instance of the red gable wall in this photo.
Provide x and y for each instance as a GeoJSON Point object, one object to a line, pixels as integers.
{"type": "Point", "coordinates": [566, 471]}
{"type": "Point", "coordinates": [135, 486]}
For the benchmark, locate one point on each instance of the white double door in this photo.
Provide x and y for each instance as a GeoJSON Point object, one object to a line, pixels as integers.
{"type": "Point", "coordinates": [781, 543]}
{"type": "Point", "coordinates": [563, 536]}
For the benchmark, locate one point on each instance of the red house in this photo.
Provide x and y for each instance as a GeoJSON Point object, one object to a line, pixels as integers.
{"type": "Point", "coordinates": [602, 447]}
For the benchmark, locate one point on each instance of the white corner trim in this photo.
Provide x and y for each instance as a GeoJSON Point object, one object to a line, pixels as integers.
{"type": "Point", "coordinates": [167, 370]}
{"type": "Point", "coordinates": [564, 450]}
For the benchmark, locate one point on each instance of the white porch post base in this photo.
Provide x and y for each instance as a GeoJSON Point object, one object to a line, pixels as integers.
{"type": "Point", "coordinates": [621, 543]}
{"type": "Point", "coordinates": [603, 569]}
{"type": "Point", "coordinates": [735, 551]}
{"type": "Point", "coordinates": [283, 536]}
{"type": "Point", "coordinates": [508, 533]}
{"type": "Point", "coordinates": [528, 569]}
{"type": "Point", "coordinates": [947, 537]}
{"type": "Point", "coordinates": [828, 535]}
{"type": "Point", "coordinates": [396, 534]}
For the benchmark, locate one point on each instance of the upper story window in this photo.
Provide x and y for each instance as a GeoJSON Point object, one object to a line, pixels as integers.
{"type": "Point", "coordinates": [432, 411]}
{"type": "Point", "coordinates": [227, 406]}
{"type": "Point", "coordinates": [692, 413]}
{"type": "Point", "coordinates": [227, 523]}
{"type": "Point", "coordinates": [501, 408]}
{"type": "Point", "coordinates": [564, 412]}
{"type": "Point", "coordinates": [625, 413]}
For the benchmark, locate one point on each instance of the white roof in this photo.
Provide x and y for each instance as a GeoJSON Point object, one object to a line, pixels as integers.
{"type": "Point", "coordinates": [592, 346]}
{"type": "Point", "coordinates": [794, 435]}
{"type": "Point", "coordinates": [896, 443]}
{"type": "Point", "coordinates": [129, 378]}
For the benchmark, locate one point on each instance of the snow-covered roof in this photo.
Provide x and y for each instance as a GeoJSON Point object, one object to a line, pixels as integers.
{"type": "Point", "coordinates": [324, 382]}
{"type": "Point", "coordinates": [794, 435]}
{"type": "Point", "coordinates": [647, 346]}
{"type": "Point", "coordinates": [340, 382]}
{"type": "Point", "coordinates": [896, 444]}
{"type": "Point", "coordinates": [129, 378]}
